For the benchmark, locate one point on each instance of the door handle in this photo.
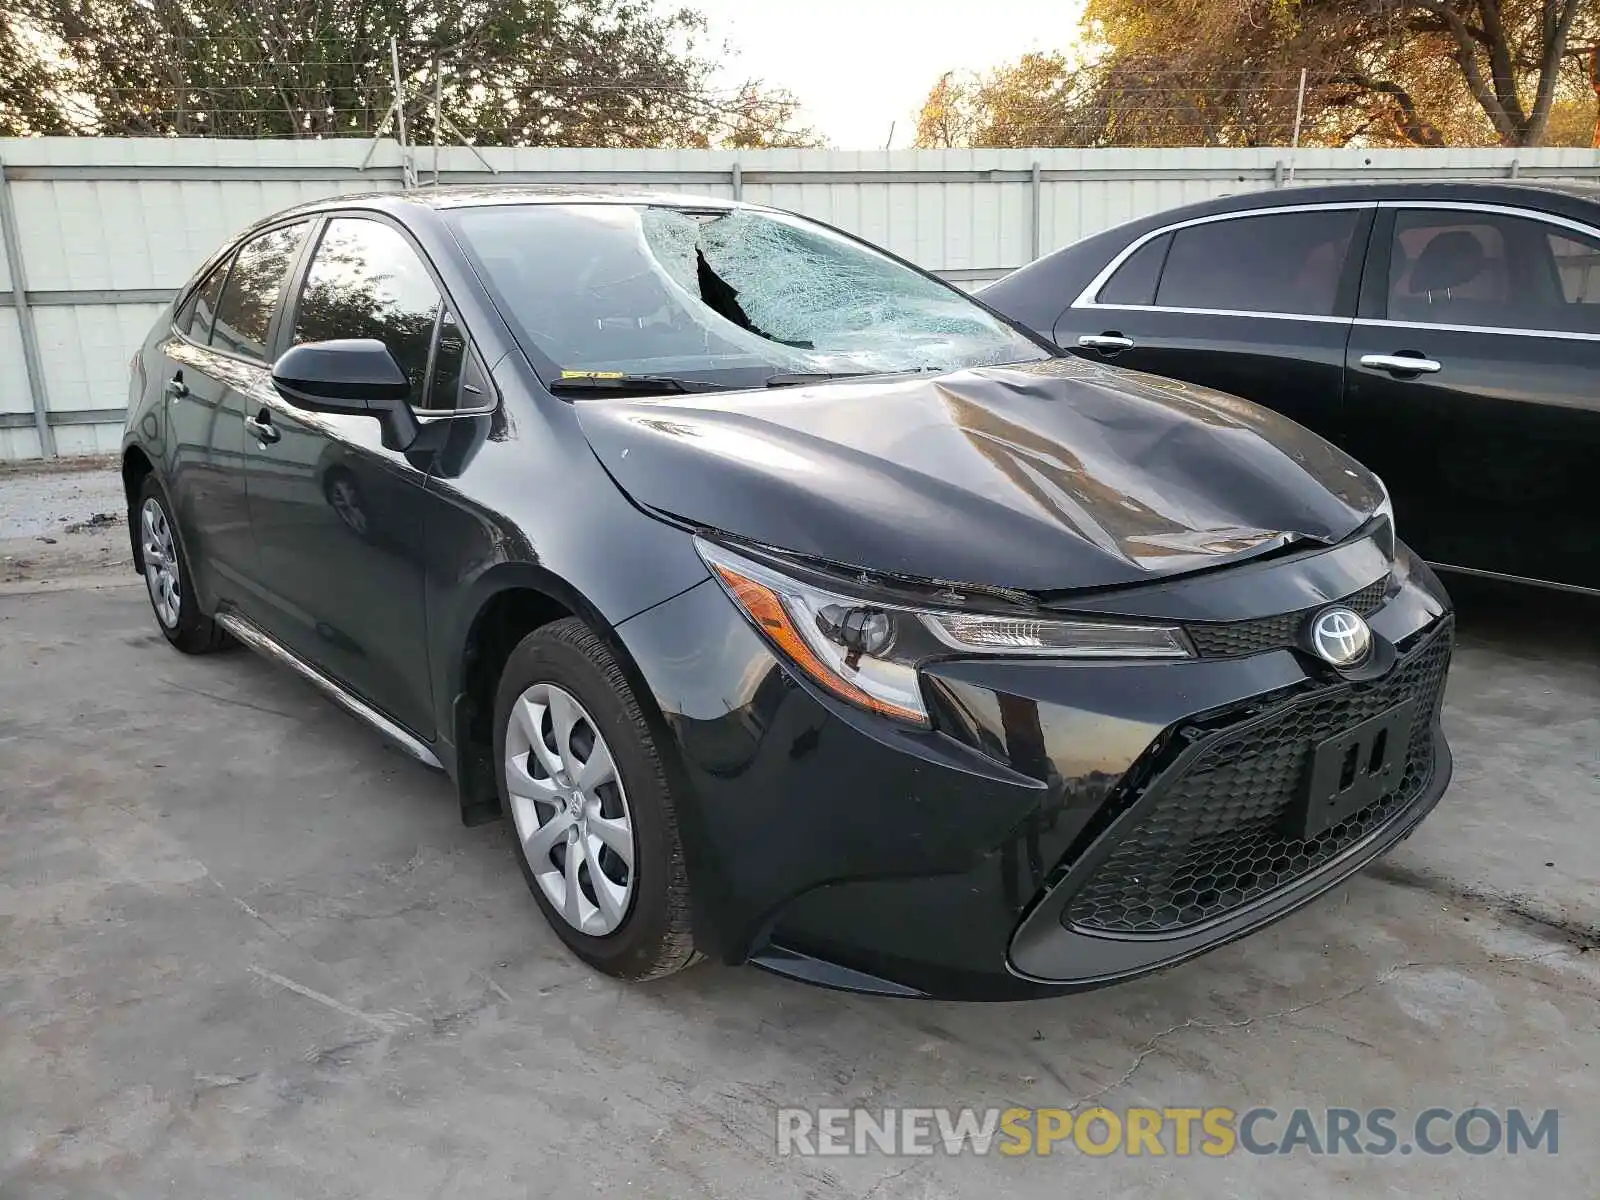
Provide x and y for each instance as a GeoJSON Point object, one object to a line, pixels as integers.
{"type": "Point", "coordinates": [1402, 364]}
{"type": "Point", "coordinates": [262, 427]}
{"type": "Point", "coordinates": [1110, 343]}
{"type": "Point", "coordinates": [177, 388]}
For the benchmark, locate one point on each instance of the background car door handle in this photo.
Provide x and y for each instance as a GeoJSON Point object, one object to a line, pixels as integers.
{"type": "Point", "coordinates": [1111, 342]}
{"type": "Point", "coordinates": [262, 427]}
{"type": "Point", "coordinates": [1402, 364]}
{"type": "Point", "coordinates": [177, 388]}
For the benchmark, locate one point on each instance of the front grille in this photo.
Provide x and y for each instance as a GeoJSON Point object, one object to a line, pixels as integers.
{"type": "Point", "coordinates": [1214, 839]}
{"type": "Point", "coordinates": [1235, 639]}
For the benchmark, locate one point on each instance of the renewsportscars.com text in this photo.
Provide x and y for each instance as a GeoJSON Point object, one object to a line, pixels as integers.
{"type": "Point", "coordinates": [1159, 1132]}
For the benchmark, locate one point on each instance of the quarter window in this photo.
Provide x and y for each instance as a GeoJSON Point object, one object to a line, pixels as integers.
{"type": "Point", "coordinates": [366, 281]}
{"type": "Point", "coordinates": [197, 315]}
{"type": "Point", "coordinates": [1493, 271]}
{"type": "Point", "coordinates": [1135, 280]}
{"type": "Point", "coordinates": [244, 311]}
{"type": "Point", "coordinates": [449, 355]}
{"type": "Point", "coordinates": [1272, 262]}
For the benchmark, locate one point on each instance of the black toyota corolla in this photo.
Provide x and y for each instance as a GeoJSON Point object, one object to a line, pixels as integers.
{"type": "Point", "coordinates": [794, 607]}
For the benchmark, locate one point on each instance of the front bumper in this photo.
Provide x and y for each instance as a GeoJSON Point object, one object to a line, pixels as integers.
{"type": "Point", "coordinates": [1065, 825]}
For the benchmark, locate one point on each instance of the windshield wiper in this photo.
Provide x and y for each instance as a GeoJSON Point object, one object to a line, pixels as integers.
{"type": "Point", "coordinates": [800, 378]}
{"type": "Point", "coordinates": [633, 385]}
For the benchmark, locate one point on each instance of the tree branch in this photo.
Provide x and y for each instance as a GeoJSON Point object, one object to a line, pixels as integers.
{"type": "Point", "coordinates": [1594, 82]}
{"type": "Point", "coordinates": [1467, 57]}
{"type": "Point", "coordinates": [1501, 69]}
{"type": "Point", "coordinates": [1556, 32]}
{"type": "Point", "coordinates": [1410, 125]}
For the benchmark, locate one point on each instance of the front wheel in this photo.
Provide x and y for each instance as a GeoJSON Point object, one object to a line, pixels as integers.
{"type": "Point", "coordinates": [167, 577]}
{"type": "Point", "coordinates": [591, 812]}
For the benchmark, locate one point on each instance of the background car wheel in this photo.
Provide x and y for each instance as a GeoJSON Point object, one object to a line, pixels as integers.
{"type": "Point", "coordinates": [167, 577]}
{"type": "Point", "coordinates": [590, 810]}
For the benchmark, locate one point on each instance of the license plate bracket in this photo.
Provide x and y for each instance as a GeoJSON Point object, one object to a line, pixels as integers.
{"type": "Point", "coordinates": [1352, 770]}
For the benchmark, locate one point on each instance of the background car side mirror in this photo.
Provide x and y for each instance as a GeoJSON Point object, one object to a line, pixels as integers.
{"type": "Point", "coordinates": [351, 375]}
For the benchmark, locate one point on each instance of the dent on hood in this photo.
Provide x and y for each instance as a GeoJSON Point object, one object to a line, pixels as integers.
{"type": "Point", "coordinates": [1034, 477]}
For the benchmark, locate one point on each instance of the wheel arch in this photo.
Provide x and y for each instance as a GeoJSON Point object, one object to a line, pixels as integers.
{"type": "Point", "coordinates": [505, 605]}
{"type": "Point", "coordinates": [136, 467]}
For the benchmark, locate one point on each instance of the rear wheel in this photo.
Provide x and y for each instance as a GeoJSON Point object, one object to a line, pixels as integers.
{"type": "Point", "coordinates": [591, 813]}
{"type": "Point", "coordinates": [167, 577]}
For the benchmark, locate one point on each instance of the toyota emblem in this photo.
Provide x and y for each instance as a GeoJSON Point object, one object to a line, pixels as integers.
{"type": "Point", "coordinates": [1341, 637]}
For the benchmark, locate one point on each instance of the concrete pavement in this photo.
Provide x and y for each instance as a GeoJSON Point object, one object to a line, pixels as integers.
{"type": "Point", "coordinates": [247, 950]}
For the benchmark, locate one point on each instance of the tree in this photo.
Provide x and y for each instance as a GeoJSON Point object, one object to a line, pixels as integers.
{"type": "Point", "coordinates": [1402, 72]}
{"type": "Point", "coordinates": [1016, 105]}
{"type": "Point", "coordinates": [511, 72]}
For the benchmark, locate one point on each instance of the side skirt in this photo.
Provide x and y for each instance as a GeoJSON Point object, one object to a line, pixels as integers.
{"type": "Point", "coordinates": [269, 647]}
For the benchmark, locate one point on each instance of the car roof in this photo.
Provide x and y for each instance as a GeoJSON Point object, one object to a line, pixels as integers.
{"type": "Point", "coordinates": [471, 196]}
{"type": "Point", "coordinates": [1505, 191]}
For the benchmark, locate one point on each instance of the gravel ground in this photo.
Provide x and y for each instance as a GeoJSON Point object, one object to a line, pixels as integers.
{"type": "Point", "coordinates": [61, 521]}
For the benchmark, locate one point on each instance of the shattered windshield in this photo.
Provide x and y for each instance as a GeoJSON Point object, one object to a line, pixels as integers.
{"type": "Point", "coordinates": [735, 294]}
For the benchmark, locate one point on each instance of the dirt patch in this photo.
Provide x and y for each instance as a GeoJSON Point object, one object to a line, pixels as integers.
{"type": "Point", "coordinates": [94, 550]}
{"type": "Point", "coordinates": [59, 466]}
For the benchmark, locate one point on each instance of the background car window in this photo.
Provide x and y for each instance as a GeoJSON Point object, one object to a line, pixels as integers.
{"type": "Point", "coordinates": [444, 384]}
{"type": "Point", "coordinates": [1577, 263]}
{"type": "Point", "coordinates": [1135, 280]}
{"type": "Point", "coordinates": [1494, 271]}
{"type": "Point", "coordinates": [244, 311]}
{"type": "Point", "coordinates": [366, 281]}
{"type": "Point", "coordinates": [201, 307]}
{"type": "Point", "coordinates": [1275, 262]}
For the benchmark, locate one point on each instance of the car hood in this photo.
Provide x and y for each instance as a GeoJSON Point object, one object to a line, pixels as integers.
{"type": "Point", "coordinates": [1036, 477]}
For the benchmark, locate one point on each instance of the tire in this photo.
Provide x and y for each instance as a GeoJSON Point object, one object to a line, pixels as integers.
{"type": "Point", "coordinates": [185, 626]}
{"type": "Point", "coordinates": [653, 936]}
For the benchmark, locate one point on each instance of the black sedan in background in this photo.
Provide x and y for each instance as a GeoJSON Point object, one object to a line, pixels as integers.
{"type": "Point", "coordinates": [795, 608]}
{"type": "Point", "coordinates": [1446, 335]}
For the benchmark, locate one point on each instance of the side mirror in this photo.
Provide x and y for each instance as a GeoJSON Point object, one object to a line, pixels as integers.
{"type": "Point", "coordinates": [351, 375]}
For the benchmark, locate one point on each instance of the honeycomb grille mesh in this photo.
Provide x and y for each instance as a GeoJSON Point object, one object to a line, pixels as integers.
{"type": "Point", "coordinates": [1235, 639]}
{"type": "Point", "coordinates": [1215, 839]}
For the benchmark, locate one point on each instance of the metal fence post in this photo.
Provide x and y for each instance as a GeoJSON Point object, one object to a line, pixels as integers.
{"type": "Point", "coordinates": [1299, 112]}
{"type": "Point", "coordinates": [32, 364]}
{"type": "Point", "coordinates": [1036, 187]}
{"type": "Point", "coordinates": [408, 167]}
{"type": "Point", "coordinates": [738, 181]}
{"type": "Point", "coordinates": [1516, 167]}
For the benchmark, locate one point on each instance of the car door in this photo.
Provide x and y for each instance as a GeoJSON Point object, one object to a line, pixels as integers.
{"type": "Point", "coordinates": [204, 418]}
{"type": "Point", "coordinates": [1471, 386]}
{"type": "Point", "coordinates": [338, 518]}
{"type": "Point", "coordinates": [1257, 304]}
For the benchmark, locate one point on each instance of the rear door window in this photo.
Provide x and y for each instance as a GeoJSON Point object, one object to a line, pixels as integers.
{"type": "Point", "coordinates": [250, 297]}
{"type": "Point", "coordinates": [1286, 262]}
{"type": "Point", "coordinates": [1577, 262]}
{"type": "Point", "coordinates": [1493, 271]}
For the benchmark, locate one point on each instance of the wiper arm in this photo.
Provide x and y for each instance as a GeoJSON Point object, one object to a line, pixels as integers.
{"type": "Point", "coordinates": [632, 385]}
{"type": "Point", "coordinates": [800, 378]}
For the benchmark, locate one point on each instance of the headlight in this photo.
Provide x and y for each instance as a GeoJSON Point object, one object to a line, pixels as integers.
{"type": "Point", "coordinates": [867, 652]}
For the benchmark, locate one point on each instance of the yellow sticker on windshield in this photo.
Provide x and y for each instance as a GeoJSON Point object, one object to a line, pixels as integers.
{"type": "Point", "coordinates": [594, 374]}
